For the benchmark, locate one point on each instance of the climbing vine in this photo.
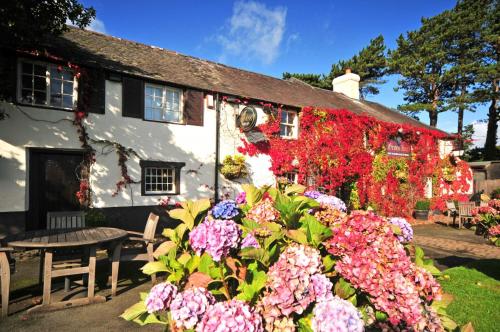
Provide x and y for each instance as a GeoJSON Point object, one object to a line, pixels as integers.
{"type": "Point", "coordinates": [338, 150]}
{"type": "Point", "coordinates": [80, 114]}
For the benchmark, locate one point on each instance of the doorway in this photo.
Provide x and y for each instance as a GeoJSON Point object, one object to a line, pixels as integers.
{"type": "Point", "coordinates": [53, 183]}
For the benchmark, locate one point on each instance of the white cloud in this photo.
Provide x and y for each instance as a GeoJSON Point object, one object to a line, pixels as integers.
{"type": "Point", "coordinates": [254, 31]}
{"type": "Point", "coordinates": [479, 136]}
{"type": "Point", "coordinates": [293, 38]}
{"type": "Point", "coordinates": [96, 25]}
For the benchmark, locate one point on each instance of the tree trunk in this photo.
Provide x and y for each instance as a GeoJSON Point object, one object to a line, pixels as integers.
{"type": "Point", "coordinates": [433, 113]}
{"type": "Point", "coordinates": [490, 148]}
{"type": "Point", "coordinates": [461, 110]}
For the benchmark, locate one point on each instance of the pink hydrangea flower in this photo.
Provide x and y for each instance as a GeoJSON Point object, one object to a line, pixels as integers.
{"type": "Point", "coordinates": [160, 297]}
{"type": "Point", "coordinates": [293, 283]}
{"type": "Point", "coordinates": [216, 237]}
{"type": "Point", "coordinates": [188, 307]}
{"type": "Point", "coordinates": [263, 211]}
{"type": "Point", "coordinates": [374, 261]}
{"type": "Point", "coordinates": [494, 231]}
{"type": "Point", "coordinates": [230, 316]}
{"type": "Point", "coordinates": [336, 314]}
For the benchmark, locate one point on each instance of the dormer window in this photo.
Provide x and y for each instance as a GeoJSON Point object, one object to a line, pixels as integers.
{"type": "Point", "coordinates": [289, 124]}
{"type": "Point", "coordinates": [44, 84]}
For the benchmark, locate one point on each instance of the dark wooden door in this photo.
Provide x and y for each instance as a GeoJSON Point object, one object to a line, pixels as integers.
{"type": "Point", "coordinates": [53, 183]}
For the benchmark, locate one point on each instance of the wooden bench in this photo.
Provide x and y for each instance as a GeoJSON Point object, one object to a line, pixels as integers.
{"type": "Point", "coordinates": [465, 212]}
{"type": "Point", "coordinates": [67, 220]}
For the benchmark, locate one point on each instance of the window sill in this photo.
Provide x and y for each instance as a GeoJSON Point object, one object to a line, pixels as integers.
{"type": "Point", "coordinates": [45, 107]}
{"type": "Point", "coordinates": [167, 122]}
{"type": "Point", "coordinates": [160, 194]}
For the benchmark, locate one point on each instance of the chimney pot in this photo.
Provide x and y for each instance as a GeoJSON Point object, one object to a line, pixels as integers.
{"type": "Point", "coordinates": [348, 70]}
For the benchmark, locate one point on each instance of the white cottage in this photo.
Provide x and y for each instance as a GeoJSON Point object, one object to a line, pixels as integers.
{"type": "Point", "coordinates": [174, 115]}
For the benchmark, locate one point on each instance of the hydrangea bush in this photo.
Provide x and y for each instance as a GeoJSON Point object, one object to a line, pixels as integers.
{"type": "Point", "coordinates": [285, 260]}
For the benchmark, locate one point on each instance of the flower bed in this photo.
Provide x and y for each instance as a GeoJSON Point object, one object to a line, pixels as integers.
{"type": "Point", "coordinates": [488, 218]}
{"type": "Point", "coordinates": [289, 261]}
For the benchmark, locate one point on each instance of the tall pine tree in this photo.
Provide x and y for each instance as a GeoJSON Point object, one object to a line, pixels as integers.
{"type": "Point", "coordinates": [488, 79]}
{"type": "Point", "coordinates": [370, 64]}
{"type": "Point", "coordinates": [422, 59]}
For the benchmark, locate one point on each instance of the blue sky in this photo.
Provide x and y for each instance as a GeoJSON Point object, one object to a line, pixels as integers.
{"type": "Point", "coordinates": [272, 37]}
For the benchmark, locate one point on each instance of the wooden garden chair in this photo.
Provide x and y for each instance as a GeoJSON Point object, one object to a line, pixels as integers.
{"type": "Point", "coordinates": [452, 211]}
{"type": "Point", "coordinates": [465, 212]}
{"type": "Point", "coordinates": [5, 279]}
{"type": "Point", "coordinates": [145, 251]}
{"type": "Point", "coordinates": [67, 220]}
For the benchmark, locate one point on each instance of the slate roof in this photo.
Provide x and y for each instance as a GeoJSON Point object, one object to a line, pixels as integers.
{"type": "Point", "coordinates": [116, 54]}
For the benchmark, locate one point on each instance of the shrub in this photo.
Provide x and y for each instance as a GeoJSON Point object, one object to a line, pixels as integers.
{"type": "Point", "coordinates": [95, 218]}
{"type": "Point", "coordinates": [288, 261]}
{"type": "Point", "coordinates": [422, 205]}
{"type": "Point", "coordinates": [234, 167]}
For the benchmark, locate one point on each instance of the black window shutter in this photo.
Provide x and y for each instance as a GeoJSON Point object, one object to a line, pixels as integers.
{"type": "Point", "coordinates": [193, 107]}
{"type": "Point", "coordinates": [92, 90]}
{"type": "Point", "coordinates": [132, 97]}
{"type": "Point", "coordinates": [8, 75]}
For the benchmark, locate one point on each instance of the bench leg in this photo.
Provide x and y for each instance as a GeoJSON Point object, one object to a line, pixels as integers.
{"type": "Point", "coordinates": [5, 280]}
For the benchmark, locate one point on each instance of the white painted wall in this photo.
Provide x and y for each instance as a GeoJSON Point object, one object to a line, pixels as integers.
{"type": "Point", "coordinates": [258, 166]}
{"type": "Point", "coordinates": [193, 145]}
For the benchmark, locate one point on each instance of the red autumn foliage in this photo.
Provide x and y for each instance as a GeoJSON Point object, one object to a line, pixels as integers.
{"type": "Point", "coordinates": [335, 147]}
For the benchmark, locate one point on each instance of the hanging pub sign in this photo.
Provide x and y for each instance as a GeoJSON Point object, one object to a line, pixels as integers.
{"type": "Point", "coordinates": [247, 118]}
{"type": "Point", "coordinates": [398, 148]}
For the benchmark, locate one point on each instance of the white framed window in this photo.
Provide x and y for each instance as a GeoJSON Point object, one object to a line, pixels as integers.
{"type": "Point", "coordinates": [46, 84]}
{"type": "Point", "coordinates": [160, 177]}
{"type": "Point", "coordinates": [162, 103]}
{"type": "Point", "coordinates": [289, 124]}
{"type": "Point", "coordinates": [159, 180]}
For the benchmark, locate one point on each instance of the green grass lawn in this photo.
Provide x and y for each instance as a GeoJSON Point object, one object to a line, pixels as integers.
{"type": "Point", "coordinates": [476, 291]}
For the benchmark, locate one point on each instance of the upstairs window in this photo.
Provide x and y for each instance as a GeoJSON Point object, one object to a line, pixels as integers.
{"type": "Point", "coordinates": [46, 84]}
{"type": "Point", "coordinates": [288, 124]}
{"type": "Point", "coordinates": [162, 103]}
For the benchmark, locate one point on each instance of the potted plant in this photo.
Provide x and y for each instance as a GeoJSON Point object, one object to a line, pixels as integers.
{"type": "Point", "coordinates": [234, 167]}
{"type": "Point", "coordinates": [421, 211]}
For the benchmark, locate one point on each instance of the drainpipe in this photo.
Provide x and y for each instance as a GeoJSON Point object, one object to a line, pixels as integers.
{"type": "Point", "coordinates": [217, 147]}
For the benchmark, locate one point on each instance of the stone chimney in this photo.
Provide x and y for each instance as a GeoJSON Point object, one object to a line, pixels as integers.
{"type": "Point", "coordinates": [347, 84]}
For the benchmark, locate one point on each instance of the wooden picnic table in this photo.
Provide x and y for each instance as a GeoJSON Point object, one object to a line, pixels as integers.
{"type": "Point", "coordinates": [52, 239]}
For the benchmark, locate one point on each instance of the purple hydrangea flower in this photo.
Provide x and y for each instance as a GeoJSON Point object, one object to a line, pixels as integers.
{"type": "Point", "coordinates": [216, 237]}
{"type": "Point", "coordinates": [188, 307]}
{"type": "Point", "coordinates": [406, 229]}
{"type": "Point", "coordinates": [249, 242]}
{"type": "Point", "coordinates": [336, 314]}
{"type": "Point", "coordinates": [241, 198]}
{"type": "Point", "coordinates": [331, 202]}
{"type": "Point", "coordinates": [160, 297]}
{"type": "Point", "coordinates": [322, 287]}
{"type": "Point", "coordinates": [230, 316]}
{"type": "Point", "coordinates": [312, 194]}
{"type": "Point", "coordinates": [225, 210]}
